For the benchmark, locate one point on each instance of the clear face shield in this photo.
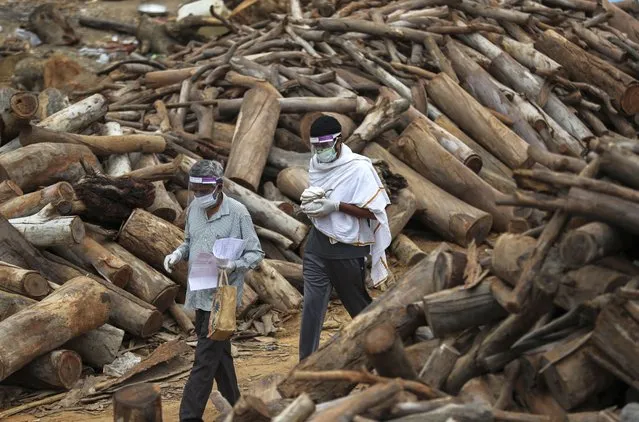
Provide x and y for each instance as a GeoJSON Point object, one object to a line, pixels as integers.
{"type": "Point", "coordinates": [204, 191]}
{"type": "Point", "coordinates": [323, 147]}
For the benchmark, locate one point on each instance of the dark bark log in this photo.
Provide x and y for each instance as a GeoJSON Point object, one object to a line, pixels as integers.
{"type": "Point", "coordinates": [138, 403]}
{"type": "Point", "coordinates": [587, 283]}
{"type": "Point", "coordinates": [439, 366]}
{"type": "Point", "coordinates": [98, 347]}
{"type": "Point", "coordinates": [385, 351]}
{"type": "Point", "coordinates": [591, 242]}
{"type": "Point", "coordinates": [59, 369]}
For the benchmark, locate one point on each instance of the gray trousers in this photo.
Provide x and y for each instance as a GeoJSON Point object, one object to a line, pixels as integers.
{"type": "Point", "coordinates": [213, 360]}
{"type": "Point", "coordinates": [346, 276]}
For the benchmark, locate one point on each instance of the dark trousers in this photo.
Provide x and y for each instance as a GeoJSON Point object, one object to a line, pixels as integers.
{"type": "Point", "coordinates": [346, 276]}
{"type": "Point", "coordinates": [213, 360]}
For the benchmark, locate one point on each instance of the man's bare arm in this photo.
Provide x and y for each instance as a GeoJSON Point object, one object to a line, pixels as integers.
{"type": "Point", "coordinates": [356, 211]}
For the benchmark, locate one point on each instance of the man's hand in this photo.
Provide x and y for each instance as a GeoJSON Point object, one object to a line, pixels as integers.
{"type": "Point", "coordinates": [322, 207]}
{"type": "Point", "coordinates": [171, 260]}
{"type": "Point", "coordinates": [227, 265]}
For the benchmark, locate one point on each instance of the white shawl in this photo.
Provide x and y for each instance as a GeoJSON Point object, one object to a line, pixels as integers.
{"type": "Point", "coordinates": [353, 180]}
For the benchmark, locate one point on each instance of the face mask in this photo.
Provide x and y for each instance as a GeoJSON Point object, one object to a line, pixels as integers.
{"type": "Point", "coordinates": [206, 201]}
{"type": "Point", "coordinates": [327, 155]}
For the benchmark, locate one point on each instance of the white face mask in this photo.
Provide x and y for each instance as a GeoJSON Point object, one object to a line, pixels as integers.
{"type": "Point", "coordinates": [206, 201]}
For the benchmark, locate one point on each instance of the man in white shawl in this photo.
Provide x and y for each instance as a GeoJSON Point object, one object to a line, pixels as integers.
{"type": "Point", "coordinates": [346, 203]}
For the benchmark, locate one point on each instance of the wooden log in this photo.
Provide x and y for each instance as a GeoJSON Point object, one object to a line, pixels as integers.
{"type": "Point", "coordinates": [266, 213]}
{"type": "Point", "coordinates": [98, 347]}
{"type": "Point", "coordinates": [346, 350]}
{"type": "Point", "coordinates": [571, 376]}
{"type": "Point", "coordinates": [620, 166]}
{"type": "Point", "coordinates": [9, 190]}
{"type": "Point", "coordinates": [273, 289]}
{"type": "Point", "coordinates": [99, 145]}
{"type": "Point", "coordinates": [478, 122]}
{"type": "Point", "coordinates": [59, 369]}
{"type": "Point", "coordinates": [282, 242]}
{"type": "Point", "coordinates": [506, 70]}
{"type": "Point", "coordinates": [291, 271]}
{"type": "Point", "coordinates": [481, 86]}
{"type": "Point", "coordinates": [138, 403]}
{"type": "Point", "coordinates": [79, 306]}
{"type": "Point", "coordinates": [298, 411]}
{"type": "Point", "coordinates": [406, 250]}
{"type": "Point", "coordinates": [293, 181]}
{"type": "Point", "coordinates": [597, 43]}
{"type": "Point", "coordinates": [457, 309]}
{"type": "Point", "coordinates": [400, 211]}
{"type": "Point", "coordinates": [18, 108]}
{"type": "Point", "coordinates": [163, 205]}
{"type": "Point", "coordinates": [254, 132]}
{"type": "Point", "coordinates": [110, 266]}
{"type": "Point", "coordinates": [249, 299]}
{"type": "Point", "coordinates": [77, 116]}
{"type": "Point", "coordinates": [622, 88]}
{"type": "Point", "coordinates": [11, 303]}
{"type": "Point", "coordinates": [525, 53]}
{"type": "Point", "coordinates": [384, 349]}
{"type": "Point", "coordinates": [587, 283]}
{"type": "Point", "coordinates": [418, 148]}
{"type": "Point", "coordinates": [117, 164]}
{"type": "Point", "coordinates": [146, 283]}
{"type": "Point", "coordinates": [44, 164]}
{"type": "Point", "coordinates": [182, 320]}
{"type": "Point", "coordinates": [59, 194]}
{"type": "Point", "coordinates": [150, 238]}
{"type": "Point", "coordinates": [46, 229]}
{"type": "Point", "coordinates": [447, 215]}
{"type": "Point", "coordinates": [621, 20]}
{"type": "Point", "coordinates": [439, 365]}
{"type": "Point", "coordinates": [23, 282]}
{"type": "Point", "coordinates": [508, 255]}
{"type": "Point", "coordinates": [468, 412]}
{"type": "Point", "coordinates": [590, 242]}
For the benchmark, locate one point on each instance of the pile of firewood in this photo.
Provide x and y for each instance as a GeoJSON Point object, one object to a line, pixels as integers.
{"type": "Point", "coordinates": [514, 120]}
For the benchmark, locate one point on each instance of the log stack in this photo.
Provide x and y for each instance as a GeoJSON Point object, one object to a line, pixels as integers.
{"type": "Point", "coordinates": [507, 129]}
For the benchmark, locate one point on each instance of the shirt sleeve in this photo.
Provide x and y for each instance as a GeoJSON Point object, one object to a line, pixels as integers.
{"type": "Point", "coordinates": [185, 247]}
{"type": "Point", "coordinates": [253, 253]}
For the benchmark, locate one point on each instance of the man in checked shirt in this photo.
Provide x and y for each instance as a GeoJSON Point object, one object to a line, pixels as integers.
{"type": "Point", "coordinates": [211, 216]}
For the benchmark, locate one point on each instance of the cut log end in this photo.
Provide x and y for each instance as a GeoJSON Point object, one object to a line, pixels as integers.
{"type": "Point", "coordinates": [152, 325]}
{"type": "Point", "coordinates": [69, 368]}
{"type": "Point", "coordinates": [578, 249]}
{"type": "Point", "coordinates": [630, 99]}
{"type": "Point", "coordinates": [166, 298]}
{"type": "Point", "coordinates": [24, 105]}
{"type": "Point", "coordinates": [380, 339]}
{"type": "Point", "coordinates": [35, 285]}
{"type": "Point", "coordinates": [478, 230]}
{"type": "Point", "coordinates": [77, 230]}
{"type": "Point", "coordinates": [121, 276]}
{"type": "Point", "coordinates": [474, 162]}
{"type": "Point", "coordinates": [136, 402]}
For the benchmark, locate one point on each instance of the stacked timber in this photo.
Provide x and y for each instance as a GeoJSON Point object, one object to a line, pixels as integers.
{"type": "Point", "coordinates": [508, 130]}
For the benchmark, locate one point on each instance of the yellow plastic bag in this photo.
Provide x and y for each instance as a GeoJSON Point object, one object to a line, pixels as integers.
{"type": "Point", "coordinates": [222, 322]}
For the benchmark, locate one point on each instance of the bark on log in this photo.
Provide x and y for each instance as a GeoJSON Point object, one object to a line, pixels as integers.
{"type": "Point", "coordinates": [272, 288]}
{"type": "Point", "coordinates": [571, 376]}
{"type": "Point", "coordinates": [98, 347]}
{"type": "Point", "coordinates": [249, 299]}
{"type": "Point", "coordinates": [117, 164]}
{"type": "Point", "coordinates": [253, 138]}
{"type": "Point", "coordinates": [163, 205]}
{"type": "Point", "coordinates": [298, 411]}
{"type": "Point", "coordinates": [110, 266]}
{"type": "Point", "coordinates": [18, 108]}
{"type": "Point", "coordinates": [59, 369]}
{"type": "Point", "coordinates": [138, 403]}
{"type": "Point", "coordinates": [622, 20]}
{"type": "Point", "coordinates": [23, 282]}
{"type": "Point", "coordinates": [291, 271]}
{"type": "Point", "coordinates": [11, 303]}
{"type": "Point", "coordinates": [591, 242]}
{"type": "Point", "coordinates": [401, 211]}
{"type": "Point", "coordinates": [447, 215]}
{"type": "Point", "coordinates": [9, 190]}
{"type": "Point", "coordinates": [620, 166]}
{"type": "Point", "coordinates": [406, 250]}
{"type": "Point", "coordinates": [506, 70]}
{"type": "Point", "coordinates": [266, 213]}
{"type": "Point", "coordinates": [60, 195]}
{"type": "Point", "coordinates": [526, 54]}
{"type": "Point", "coordinates": [146, 283]}
{"type": "Point", "coordinates": [182, 320]}
{"type": "Point", "coordinates": [46, 229]}
{"type": "Point", "coordinates": [623, 88]}
{"type": "Point", "coordinates": [587, 283]}
{"type": "Point", "coordinates": [150, 238]}
{"type": "Point", "coordinates": [100, 145]}
{"type": "Point", "coordinates": [478, 122]}
{"type": "Point", "coordinates": [384, 349]}
{"type": "Point", "coordinates": [76, 308]}
{"type": "Point", "coordinates": [77, 116]}
{"type": "Point", "coordinates": [439, 365]}
{"type": "Point", "coordinates": [509, 254]}
{"type": "Point", "coordinates": [481, 86]}
{"type": "Point", "coordinates": [418, 148]}
{"type": "Point", "coordinates": [454, 310]}
{"type": "Point", "coordinates": [346, 350]}
{"type": "Point", "coordinates": [44, 164]}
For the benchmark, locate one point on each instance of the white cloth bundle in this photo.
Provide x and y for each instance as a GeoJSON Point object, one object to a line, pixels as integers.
{"type": "Point", "coordinates": [353, 180]}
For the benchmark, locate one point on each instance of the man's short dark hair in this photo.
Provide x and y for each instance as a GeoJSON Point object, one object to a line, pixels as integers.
{"type": "Point", "coordinates": [325, 125]}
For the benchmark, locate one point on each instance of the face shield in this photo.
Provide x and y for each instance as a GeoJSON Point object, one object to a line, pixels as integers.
{"type": "Point", "coordinates": [323, 147]}
{"type": "Point", "coordinates": [204, 190]}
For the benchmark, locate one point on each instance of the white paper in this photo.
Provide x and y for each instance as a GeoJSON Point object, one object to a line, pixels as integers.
{"type": "Point", "coordinates": [203, 272]}
{"type": "Point", "coordinates": [228, 248]}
